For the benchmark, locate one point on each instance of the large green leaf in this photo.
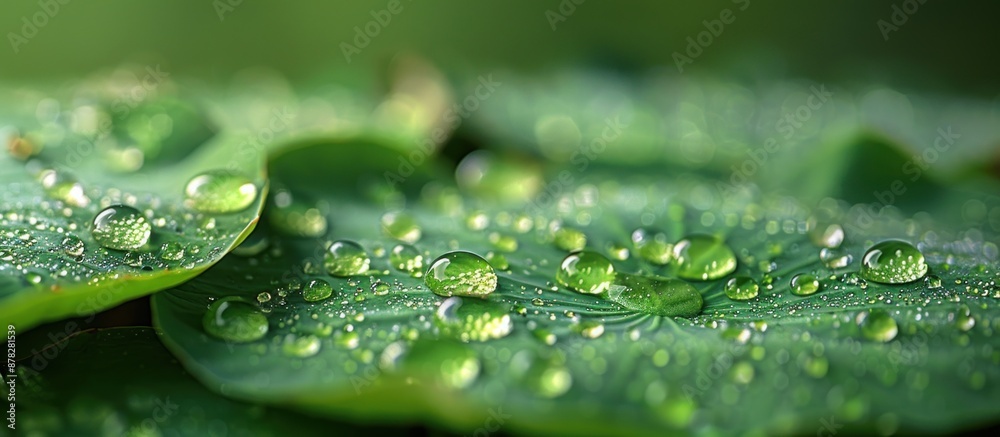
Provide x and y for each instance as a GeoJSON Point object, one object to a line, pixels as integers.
{"type": "Point", "coordinates": [68, 164]}
{"type": "Point", "coordinates": [384, 348]}
{"type": "Point", "coordinates": [123, 382]}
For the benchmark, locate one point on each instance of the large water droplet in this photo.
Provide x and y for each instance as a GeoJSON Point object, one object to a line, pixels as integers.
{"type": "Point", "coordinates": [703, 257]}
{"type": "Point", "coordinates": [653, 246]}
{"type": "Point", "coordinates": [406, 258]}
{"type": "Point", "coordinates": [658, 296]}
{"type": "Point", "coordinates": [804, 285]}
{"type": "Point", "coordinates": [346, 258]}
{"type": "Point", "coordinates": [219, 191]}
{"type": "Point", "coordinates": [893, 262]}
{"type": "Point", "coordinates": [586, 272]}
{"type": "Point", "coordinates": [878, 325]}
{"type": "Point", "coordinates": [401, 226]}
{"type": "Point", "coordinates": [121, 227]}
{"type": "Point", "coordinates": [473, 320]}
{"type": "Point", "coordinates": [461, 273]}
{"type": "Point", "coordinates": [316, 290]}
{"type": "Point", "coordinates": [234, 319]}
{"type": "Point", "coordinates": [742, 288]}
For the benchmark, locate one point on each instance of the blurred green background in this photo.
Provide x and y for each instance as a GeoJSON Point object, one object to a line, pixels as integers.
{"type": "Point", "coordinates": [943, 46]}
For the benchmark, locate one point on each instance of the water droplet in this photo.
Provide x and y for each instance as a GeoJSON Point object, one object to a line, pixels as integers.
{"type": "Point", "coordinates": [473, 320]}
{"type": "Point", "coordinates": [406, 258]}
{"type": "Point", "coordinates": [497, 260]}
{"type": "Point", "coordinates": [121, 227]}
{"type": "Point", "coordinates": [804, 285]}
{"type": "Point", "coordinates": [964, 320]}
{"type": "Point", "coordinates": [300, 346]}
{"type": "Point", "coordinates": [591, 329]}
{"type": "Point", "coordinates": [658, 296]}
{"type": "Point", "coordinates": [653, 246]}
{"type": "Point", "coordinates": [380, 288]}
{"type": "Point", "coordinates": [586, 272]}
{"type": "Point", "coordinates": [835, 259]}
{"type": "Point", "coordinates": [317, 290]}
{"type": "Point", "coordinates": [618, 252]}
{"type": "Point", "coordinates": [401, 226]}
{"type": "Point", "coordinates": [742, 288]}
{"type": "Point", "coordinates": [932, 281]}
{"type": "Point", "coordinates": [830, 236]}
{"type": "Point", "coordinates": [893, 262]}
{"type": "Point", "coordinates": [703, 257]}
{"type": "Point", "coordinates": [548, 378]}
{"type": "Point", "coordinates": [453, 364]}
{"type": "Point", "coordinates": [64, 187]}
{"type": "Point", "coordinates": [72, 245]}
{"type": "Point", "coordinates": [346, 258]}
{"type": "Point", "coordinates": [219, 191]}
{"type": "Point", "coordinates": [236, 320]}
{"type": "Point", "coordinates": [461, 273]}
{"type": "Point", "coordinates": [171, 251]}
{"type": "Point", "coordinates": [503, 242]}
{"type": "Point", "coordinates": [878, 325]}
{"type": "Point", "coordinates": [570, 239]}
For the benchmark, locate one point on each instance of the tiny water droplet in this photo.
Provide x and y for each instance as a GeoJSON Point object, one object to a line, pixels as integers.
{"type": "Point", "coordinates": [893, 262]}
{"type": "Point", "coordinates": [586, 272]}
{"type": "Point", "coordinates": [703, 257]}
{"type": "Point", "coordinates": [171, 251]}
{"type": "Point", "coordinates": [804, 284]}
{"type": "Point", "coordinates": [346, 258]}
{"type": "Point", "coordinates": [932, 281]}
{"type": "Point", "coordinates": [742, 288]}
{"type": "Point", "coordinates": [219, 191]}
{"type": "Point", "coordinates": [121, 227]}
{"type": "Point", "coordinates": [461, 273]}
{"type": "Point", "coordinates": [317, 290]}
{"type": "Point", "coordinates": [380, 288]}
{"type": "Point", "coordinates": [236, 320]}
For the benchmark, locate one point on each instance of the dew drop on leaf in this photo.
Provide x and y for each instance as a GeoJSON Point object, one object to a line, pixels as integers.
{"type": "Point", "coordinates": [652, 246]}
{"type": "Point", "coordinates": [893, 262]}
{"type": "Point", "coordinates": [316, 290]}
{"type": "Point", "coordinates": [121, 227]}
{"type": "Point", "coordinates": [72, 245]}
{"type": "Point", "coordinates": [741, 288]}
{"type": "Point", "coordinates": [461, 273]}
{"type": "Point", "coordinates": [219, 191]}
{"type": "Point", "coordinates": [473, 320]}
{"type": "Point", "coordinates": [408, 259]}
{"type": "Point", "coordinates": [804, 284]}
{"type": "Point", "coordinates": [346, 258]}
{"type": "Point", "coordinates": [401, 226]}
{"type": "Point", "coordinates": [236, 320]}
{"type": "Point", "coordinates": [586, 272]}
{"type": "Point", "coordinates": [878, 325]}
{"type": "Point", "coordinates": [569, 239]}
{"type": "Point", "coordinates": [703, 257]}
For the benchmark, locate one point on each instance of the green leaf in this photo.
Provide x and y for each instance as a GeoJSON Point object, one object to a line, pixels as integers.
{"type": "Point", "coordinates": [53, 263]}
{"type": "Point", "coordinates": [534, 356]}
{"type": "Point", "coordinates": [123, 382]}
